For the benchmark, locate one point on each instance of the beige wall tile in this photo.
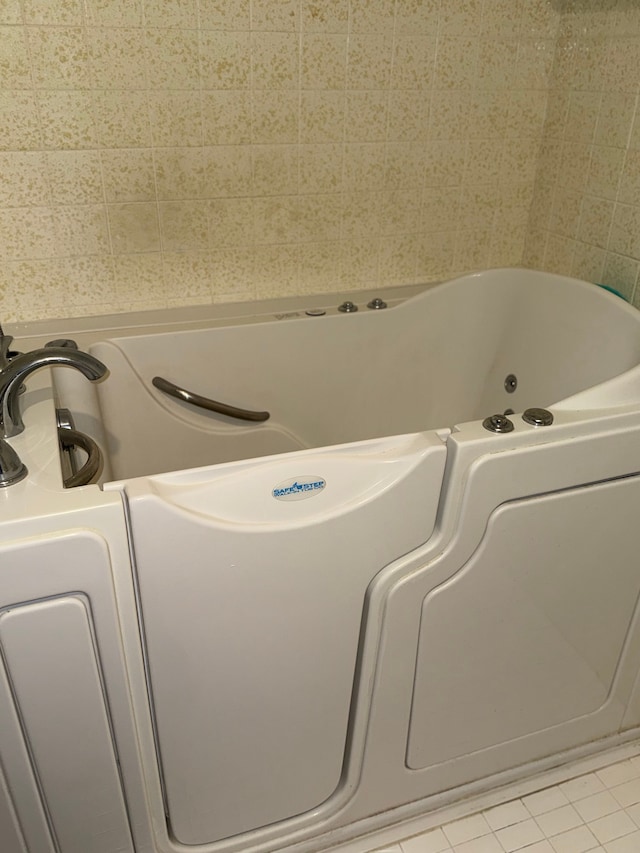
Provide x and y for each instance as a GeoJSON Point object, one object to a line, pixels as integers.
{"type": "Point", "coordinates": [372, 16]}
{"type": "Point", "coordinates": [324, 61]}
{"type": "Point", "coordinates": [27, 234]}
{"type": "Point", "coordinates": [621, 273]}
{"type": "Point", "coordinates": [121, 119]}
{"type": "Point", "coordinates": [75, 177]}
{"type": "Point", "coordinates": [320, 168]}
{"type": "Point", "coordinates": [274, 118]}
{"type": "Point", "coordinates": [176, 118]}
{"type": "Point", "coordinates": [322, 117]}
{"type": "Point", "coordinates": [179, 173]}
{"type": "Point", "coordinates": [222, 15]}
{"type": "Point", "coordinates": [188, 275]}
{"type": "Point", "coordinates": [24, 179]}
{"type": "Point", "coordinates": [10, 12]}
{"type": "Point", "coordinates": [60, 57]}
{"type": "Point", "coordinates": [318, 267]}
{"type": "Point", "coordinates": [605, 171]}
{"type": "Point", "coordinates": [275, 62]}
{"type": "Point", "coordinates": [230, 222]}
{"type": "Point", "coordinates": [369, 60]}
{"type": "Point", "coordinates": [171, 13]}
{"type": "Point", "coordinates": [418, 16]}
{"type": "Point", "coordinates": [67, 119]}
{"type": "Point", "coordinates": [173, 58]}
{"type": "Point", "coordinates": [276, 15]}
{"type": "Point", "coordinates": [117, 58]}
{"type": "Point", "coordinates": [227, 171]}
{"type": "Point", "coordinates": [324, 16]}
{"type": "Point", "coordinates": [367, 116]}
{"type": "Point", "coordinates": [128, 174]}
{"type": "Point", "coordinates": [225, 60]}
{"type": "Point", "coordinates": [404, 166]}
{"type": "Point", "coordinates": [134, 228]}
{"type": "Point", "coordinates": [81, 230]}
{"type": "Point", "coordinates": [113, 13]}
{"type": "Point", "coordinates": [227, 117]}
{"type": "Point", "coordinates": [184, 226]}
{"type": "Point", "coordinates": [15, 66]}
{"type": "Point", "coordinates": [53, 12]}
{"type": "Point", "coordinates": [19, 121]}
{"type": "Point", "coordinates": [274, 170]}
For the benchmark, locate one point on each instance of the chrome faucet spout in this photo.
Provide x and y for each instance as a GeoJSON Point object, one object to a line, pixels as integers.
{"type": "Point", "coordinates": [13, 374]}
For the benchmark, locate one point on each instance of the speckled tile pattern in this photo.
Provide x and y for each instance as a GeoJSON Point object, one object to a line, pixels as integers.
{"type": "Point", "coordinates": [598, 811]}
{"type": "Point", "coordinates": [266, 148]}
{"type": "Point", "coordinates": [585, 216]}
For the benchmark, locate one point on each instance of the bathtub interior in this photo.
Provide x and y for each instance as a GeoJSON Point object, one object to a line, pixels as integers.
{"type": "Point", "coordinates": [435, 360]}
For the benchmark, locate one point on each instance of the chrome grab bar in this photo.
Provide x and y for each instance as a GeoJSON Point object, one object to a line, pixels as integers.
{"type": "Point", "coordinates": [205, 403]}
{"type": "Point", "coordinates": [70, 438]}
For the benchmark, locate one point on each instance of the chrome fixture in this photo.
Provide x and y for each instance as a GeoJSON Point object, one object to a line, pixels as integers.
{"type": "Point", "coordinates": [69, 438]}
{"type": "Point", "coordinates": [315, 312]}
{"type": "Point", "coordinates": [206, 403]}
{"type": "Point", "coordinates": [511, 383]}
{"type": "Point", "coordinates": [63, 342]}
{"type": "Point", "coordinates": [20, 366]}
{"type": "Point", "coordinates": [498, 423]}
{"type": "Point", "coordinates": [537, 417]}
{"type": "Point", "coordinates": [348, 307]}
{"type": "Point", "coordinates": [12, 469]}
{"type": "Point", "coordinates": [377, 304]}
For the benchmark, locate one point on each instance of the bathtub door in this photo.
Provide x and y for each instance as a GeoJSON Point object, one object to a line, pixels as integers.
{"type": "Point", "coordinates": [252, 589]}
{"type": "Point", "coordinates": [520, 637]}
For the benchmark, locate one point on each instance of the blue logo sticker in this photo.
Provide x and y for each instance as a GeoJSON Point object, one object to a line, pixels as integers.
{"type": "Point", "coordinates": [299, 489]}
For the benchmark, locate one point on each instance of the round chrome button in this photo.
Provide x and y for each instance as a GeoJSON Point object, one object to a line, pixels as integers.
{"type": "Point", "coordinates": [315, 312]}
{"type": "Point", "coordinates": [348, 307]}
{"type": "Point", "coordinates": [537, 417]}
{"type": "Point", "coordinates": [498, 423]}
{"type": "Point", "coordinates": [377, 304]}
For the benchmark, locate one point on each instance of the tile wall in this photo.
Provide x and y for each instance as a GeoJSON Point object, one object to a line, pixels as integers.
{"type": "Point", "coordinates": [585, 217]}
{"type": "Point", "coordinates": [170, 152]}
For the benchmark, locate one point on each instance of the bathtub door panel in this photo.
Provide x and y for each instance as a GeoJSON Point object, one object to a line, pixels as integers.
{"type": "Point", "coordinates": [554, 586]}
{"type": "Point", "coordinates": [252, 626]}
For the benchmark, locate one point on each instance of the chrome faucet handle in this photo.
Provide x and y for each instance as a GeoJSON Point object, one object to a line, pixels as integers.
{"type": "Point", "coordinates": [19, 368]}
{"type": "Point", "coordinates": [12, 469]}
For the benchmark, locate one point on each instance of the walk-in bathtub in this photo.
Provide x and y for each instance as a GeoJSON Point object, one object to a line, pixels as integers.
{"type": "Point", "coordinates": [375, 601]}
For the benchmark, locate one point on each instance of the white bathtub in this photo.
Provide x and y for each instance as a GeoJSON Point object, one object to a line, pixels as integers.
{"type": "Point", "coordinates": [364, 607]}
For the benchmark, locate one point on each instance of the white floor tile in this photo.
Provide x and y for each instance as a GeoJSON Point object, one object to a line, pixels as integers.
{"type": "Point", "coordinates": [506, 815]}
{"type": "Point", "coordinates": [583, 786]}
{"type": "Point", "coordinates": [559, 820]}
{"type": "Point", "coordinates": [612, 826]}
{"type": "Point", "coordinates": [520, 835]}
{"type": "Point", "coordinates": [597, 805]}
{"type": "Point", "coordinates": [545, 801]}
{"type": "Point", "coordinates": [485, 844]}
{"type": "Point", "coordinates": [466, 829]}
{"type": "Point", "coordinates": [575, 841]}
{"type": "Point", "coordinates": [628, 844]}
{"type": "Point", "coordinates": [624, 771]}
{"type": "Point", "coordinates": [627, 794]}
{"type": "Point", "coordinates": [429, 842]}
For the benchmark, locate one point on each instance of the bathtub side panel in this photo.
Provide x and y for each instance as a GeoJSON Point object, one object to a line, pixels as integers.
{"type": "Point", "coordinates": [554, 585]}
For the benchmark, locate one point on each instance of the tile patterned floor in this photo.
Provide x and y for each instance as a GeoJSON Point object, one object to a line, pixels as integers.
{"type": "Point", "coordinates": [599, 811]}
